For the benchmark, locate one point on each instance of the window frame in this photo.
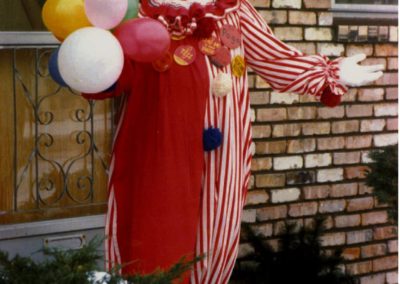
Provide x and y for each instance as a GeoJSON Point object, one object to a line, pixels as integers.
{"type": "Point", "coordinates": [364, 14]}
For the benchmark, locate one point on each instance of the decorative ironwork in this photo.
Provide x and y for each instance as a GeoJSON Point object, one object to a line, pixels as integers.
{"type": "Point", "coordinates": [61, 182]}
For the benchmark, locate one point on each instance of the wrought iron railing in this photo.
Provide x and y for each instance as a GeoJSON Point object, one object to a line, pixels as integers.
{"type": "Point", "coordinates": [57, 162]}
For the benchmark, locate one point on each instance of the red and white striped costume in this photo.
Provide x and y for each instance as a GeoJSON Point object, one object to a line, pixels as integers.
{"type": "Point", "coordinates": [220, 179]}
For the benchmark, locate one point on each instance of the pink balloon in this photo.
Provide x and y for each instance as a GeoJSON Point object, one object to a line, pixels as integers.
{"type": "Point", "coordinates": [106, 14]}
{"type": "Point", "coordinates": [143, 39]}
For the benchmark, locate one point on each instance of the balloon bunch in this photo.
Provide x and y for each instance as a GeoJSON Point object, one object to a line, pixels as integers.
{"type": "Point", "coordinates": [91, 57]}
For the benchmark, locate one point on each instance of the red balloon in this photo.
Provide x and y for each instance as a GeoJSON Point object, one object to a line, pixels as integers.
{"type": "Point", "coordinates": [143, 39]}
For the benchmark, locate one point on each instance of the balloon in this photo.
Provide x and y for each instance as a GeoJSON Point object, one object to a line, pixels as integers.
{"type": "Point", "coordinates": [144, 39]}
{"type": "Point", "coordinates": [53, 69]}
{"type": "Point", "coordinates": [106, 14]}
{"type": "Point", "coordinates": [62, 17]}
{"type": "Point", "coordinates": [90, 60]}
{"type": "Point", "coordinates": [133, 8]}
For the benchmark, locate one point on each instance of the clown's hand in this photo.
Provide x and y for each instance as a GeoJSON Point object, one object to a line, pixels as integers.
{"type": "Point", "coordinates": [354, 75]}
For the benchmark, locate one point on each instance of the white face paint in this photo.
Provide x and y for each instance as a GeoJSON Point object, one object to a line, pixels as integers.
{"type": "Point", "coordinates": [181, 3]}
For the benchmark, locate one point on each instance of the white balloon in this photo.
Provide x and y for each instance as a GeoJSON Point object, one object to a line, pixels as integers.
{"type": "Point", "coordinates": [90, 60]}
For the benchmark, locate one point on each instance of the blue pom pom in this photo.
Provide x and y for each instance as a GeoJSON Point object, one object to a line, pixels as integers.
{"type": "Point", "coordinates": [212, 138]}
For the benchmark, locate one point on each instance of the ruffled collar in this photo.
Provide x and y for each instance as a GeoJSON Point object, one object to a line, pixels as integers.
{"type": "Point", "coordinates": [183, 17]}
{"type": "Point", "coordinates": [216, 9]}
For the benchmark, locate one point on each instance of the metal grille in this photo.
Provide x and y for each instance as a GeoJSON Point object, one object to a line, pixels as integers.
{"type": "Point", "coordinates": [55, 156]}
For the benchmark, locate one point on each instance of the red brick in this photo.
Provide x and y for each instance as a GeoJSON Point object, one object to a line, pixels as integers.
{"type": "Point", "coordinates": [270, 180]}
{"type": "Point", "coordinates": [373, 279]}
{"type": "Point", "coordinates": [351, 95]}
{"type": "Point", "coordinates": [370, 94]}
{"type": "Point", "coordinates": [316, 128]}
{"type": "Point", "coordinates": [372, 125]}
{"type": "Point", "coordinates": [329, 206]}
{"type": "Point", "coordinates": [352, 49]}
{"type": "Point", "coordinates": [373, 61]}
{"type": "Point", "coordinates": [385, 232]}
{"type": "Point", "coordinates": [333, 239]}
{"type": "Point", "coordinates": [261, 131]}
{"type": "Point", "coordinates": [359, 267]}
{"type": "Point", "coordinates": [393, 246]}
{"type": "Point", "coordinates": [392, 124]}
{"type": "Point", "coordinates": [288, 33]}
{"type": "Point", "coordinates": [385, 263]}
{"type": "Point", "coordinates": [319, 4]}
{"type": "Point", "coordinates": [302, 18]}
{"type": "Point", "coordinates": [330, 143]}
{"type": "Point", "coordinates": [388, 79]}
{"type": "Point", "coordinates": [362, 203]}
{"type": "Point", "coordinates": [271, 114]}
{"type": "Point", "coordinates": [345, 126]}
{"type": "Point", "coordinates": [316, 192]}
{"type": "Point", "coordinates": [363, 141]}
{"type": "Point", "coordinates": [286, 130]}
{"type": "Point", "coordinates": [351, 253]}
{"type": "Point", "coordinates": [260, 3]}
{"type": "Point", "coordinates": [386, 49]}
{"type": "Point", "coordinates": [347, 221]}
{"type": "Point", "coordinates": [301, 145]}
{"type": "Point", "coordinates": [392, 93]}
{"type": "Point", "coordinates": [271, 213]}
{"type": "Point", "coordinates": [256, 197]}
{"type": "Point", "coordinates": [343, 189]}
{"type": "Point", "coordinates": [355, 172]}
{"type": "Point", "coordinates": [327, 112]}
{"type": "Point", "coordinates": [393, 63]}
{"type": "Point", "coordinates": [341, 158]}
{"type": "Point", "coordinates": [392, 277]}
{"type": "Point", "coordinates": [303, 209]}
{"type": "Point", "coordinates": [358, 110]}
{"type": "Point", "coordinates": [274, 16]}
{"type": "Point", "coordinates": [259, 98]}
{"type": "Point", "coordinates": [296, 113]}
{"type": "Point", "coordinates": [318, 34]}
{"type": "Point", "coordinates": [373, 250]}
{"type": "Point", "coordinates": [305, 47]}
{"type": "Point", "coordinates": [272, 147]}
{"type": "Point", "coordinates": [258, 164]}
{"type": "Point", "coordinates": [360, 236]}
{"type": "Point", "coordinates": [364, 189]}
{"type": "Point", "coordinates": [374, 218]}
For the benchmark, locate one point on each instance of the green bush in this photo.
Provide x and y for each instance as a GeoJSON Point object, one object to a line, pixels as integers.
{"type": "Point", "coordinates": [75, 267]}
{"type": "Point", "coordinates": [299, 259]}
{"type": "Point", "coordinates": [382, 176]}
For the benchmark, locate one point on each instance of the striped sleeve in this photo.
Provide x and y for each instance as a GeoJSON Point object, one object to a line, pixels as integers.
{"type": "Point", "coordinates": [285, 68]}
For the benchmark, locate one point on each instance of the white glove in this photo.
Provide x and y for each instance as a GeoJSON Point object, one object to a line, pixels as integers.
{"type": "Point", "coordinates": [354, 75]}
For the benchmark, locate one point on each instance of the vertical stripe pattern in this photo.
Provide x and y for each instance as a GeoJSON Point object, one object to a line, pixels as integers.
{"type": "Point", "coordinates": [226, 171]}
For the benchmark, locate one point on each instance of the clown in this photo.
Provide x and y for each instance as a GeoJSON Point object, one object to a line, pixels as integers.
{"type": "Point", "coordinates": [180, 165]}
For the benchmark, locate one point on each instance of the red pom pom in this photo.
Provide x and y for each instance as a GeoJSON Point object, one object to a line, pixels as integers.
{"type": "Point", "coordinates": [205, 28]}
{"type": "Point", "coordinates": [330, 99]}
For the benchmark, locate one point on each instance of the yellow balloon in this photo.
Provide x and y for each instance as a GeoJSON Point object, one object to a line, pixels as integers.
{"type": "Point", "coordinates": [63, 17]}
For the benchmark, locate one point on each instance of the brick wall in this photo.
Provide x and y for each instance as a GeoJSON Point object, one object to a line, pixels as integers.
{"type": "Point", "coordinates": [309, 158]}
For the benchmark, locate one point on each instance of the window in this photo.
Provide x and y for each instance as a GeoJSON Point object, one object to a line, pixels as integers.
{"type": "Point", "coordinates": [365, 11]}
{"type": "Point", "coordinates": [55, 145]}
{"type": "Point", "coordinates": [365, 20]}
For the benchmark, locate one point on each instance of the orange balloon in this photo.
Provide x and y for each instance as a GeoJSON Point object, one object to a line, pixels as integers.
{"type": "Point", "coordinates": [63, 17]}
